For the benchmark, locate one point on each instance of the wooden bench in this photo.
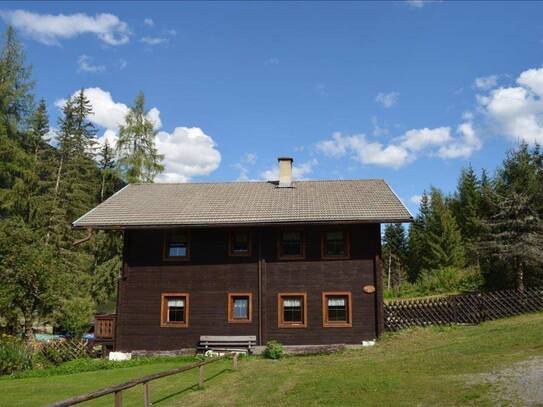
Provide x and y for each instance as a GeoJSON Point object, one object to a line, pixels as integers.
{"type": "Point", "coordinates": [227, 343]}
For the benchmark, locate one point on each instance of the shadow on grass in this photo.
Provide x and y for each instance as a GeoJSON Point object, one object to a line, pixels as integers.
{"type": "Point", "coordinates": [194, 387]}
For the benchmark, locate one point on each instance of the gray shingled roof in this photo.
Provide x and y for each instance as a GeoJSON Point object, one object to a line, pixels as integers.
{"type": "Point", "coordinates": [247, 203]}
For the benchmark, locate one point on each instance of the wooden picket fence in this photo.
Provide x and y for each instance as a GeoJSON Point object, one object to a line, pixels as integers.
{"type": "Point", "coordinates": [461, 309]}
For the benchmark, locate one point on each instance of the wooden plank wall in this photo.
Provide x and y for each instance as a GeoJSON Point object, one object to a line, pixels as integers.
{"type": "Point", "coordinates": [211, 274]}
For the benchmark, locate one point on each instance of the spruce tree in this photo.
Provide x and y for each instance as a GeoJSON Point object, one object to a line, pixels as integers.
{"type": "Point", "coordinates": [139, 160]}
{"type": "Point", "coordinates": [466, 212]}
{"type": "Point", "coordinates": [444, 238]}
{"type": "Point", "coordinates": [16, 99]}
{"type": "Point", "coordinates": [394, 254]}
{"type": "Point", "coordinates": [417, 244]}
{"type": "Point", "coordinates": [39, 128]}
{"type": "Point", "coordinates": [107, 168]}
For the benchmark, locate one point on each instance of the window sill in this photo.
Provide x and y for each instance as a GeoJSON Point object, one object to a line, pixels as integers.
{"type": "Point", "coordinates": [239, 321]}
{"type": "Point", "coordinates": [171, 325]}
{"type": "Point", "coordinates": [290, 326]}
{"type": "Point", "coordinates": [337, 325]}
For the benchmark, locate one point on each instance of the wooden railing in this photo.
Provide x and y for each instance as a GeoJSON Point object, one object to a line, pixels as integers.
{"type": "Point", "coordinates": [461, 309]}
{"type": "Point", "coordinates": [104, 326]}
{"type": "Point", "coordinates": [118, 389]}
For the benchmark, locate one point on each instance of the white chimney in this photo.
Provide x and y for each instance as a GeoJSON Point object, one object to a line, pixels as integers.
{"type": "Point", "coordinates": [285, 172]}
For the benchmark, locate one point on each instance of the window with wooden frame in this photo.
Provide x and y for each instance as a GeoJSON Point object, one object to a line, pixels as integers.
{"type": "Point", "coordinates": [291, 244]}
{"type": "Point", "coordinates": [176, 244]}
{"type": "Point", "coordinates": [292, 310]}
{"type": "Point", "coordinates": [239, 243]}
{"type": "Point", "coordinates": [335, 244]}
{"type": "Point", "coordinates": [240, 307]}
{"type": "Point", "coordinates": [174, 310]}
{"type": "Point", "coordinates": [336, 309]}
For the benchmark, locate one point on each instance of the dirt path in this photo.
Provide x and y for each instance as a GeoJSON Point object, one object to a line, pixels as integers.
{"type": "Point", "coordinates": [521, 384]}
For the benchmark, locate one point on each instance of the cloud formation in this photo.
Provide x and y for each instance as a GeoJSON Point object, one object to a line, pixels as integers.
{"type": "Point", "coordinates": [85, 64]}
{"type": "Point", "coordinates": [402, 150]}
{"type": "Point", "coordinates": [49, 29]}
{"type": "Point", "coordinates": [486, 82]}
{"type": "Point", "coordinates": [153, 40]}
{"type": "Point", "coordinates": [517, 111]}
{"type": "Point", "coordinates": [299, 172]}
{"type": "Point", "coordinates": [387, 100]}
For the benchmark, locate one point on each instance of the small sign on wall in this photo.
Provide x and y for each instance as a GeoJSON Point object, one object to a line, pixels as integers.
{"type": "Point", "coordinates": [368, 289]}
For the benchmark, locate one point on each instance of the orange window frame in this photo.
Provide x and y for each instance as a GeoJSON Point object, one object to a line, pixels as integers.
{"type": "Point", "coordinates": [164, 297]}
{"type": "Point", "coordinates": [281, 323]}
{"type": "Point", "coordinates": [337, 324]}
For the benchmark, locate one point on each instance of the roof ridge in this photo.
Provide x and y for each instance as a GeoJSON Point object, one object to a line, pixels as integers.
{"type": "Point", "coordinates": [257, 182]}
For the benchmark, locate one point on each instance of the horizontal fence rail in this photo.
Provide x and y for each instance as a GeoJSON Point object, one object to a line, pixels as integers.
{"type": "Point", "coordinates": [461, 309]}
{"type": "Point", "coordinates": [119, 388]}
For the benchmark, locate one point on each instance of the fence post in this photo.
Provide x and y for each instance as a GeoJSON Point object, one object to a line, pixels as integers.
{"type": "Point", "coordinates": [146, 395]}
{"type": "Point", "coordinates": [235, 361]}
{"type": "Point", "coordinates": [119, 398]}
{"type": "Point", "coordinates": [201, 377]}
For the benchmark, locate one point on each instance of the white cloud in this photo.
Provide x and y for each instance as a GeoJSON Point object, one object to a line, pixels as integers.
{"type": "Point", "coordinates": [154, 116]}
{"type": "Point", "coordinates": [360, 149]}
{"type": "Point", "coordinates": [188, 152]}
{"type": "Point", "coordinates": [464, 146]}
{"type": "Point", "coordinates": [153, 40]}
{"type": "Point", "coordinates": [243, 166]}
{"type": "Point", "coordinates": [517, 111]}
{"type": "Point", "coordinates": [85, 64]}
{"type": "Point", "coordinates": [122, 64]}
{"type": "Point", "coordinates": [415, 199]}
{"type": "Point", "coordinates": [419, 3]}
{"type": "Point", "coordinates": [420, 139]}
{"type": "Point", "coordinates": [404, 149]}
{"type": "Point", "coordinates": [299, 172]}
{"type": "Point", "coordinates": [106, 112]}
{"type": "Point", "coordinates": [486, 82]}
{"type": "Point", "coordinates": [272, 61]}
{"type": "Point", "coordinates": [387, 99]}
{"type": "Point", "coordinates": [49, 28]}
{"type": "Point", "coordinates": [148, 22]}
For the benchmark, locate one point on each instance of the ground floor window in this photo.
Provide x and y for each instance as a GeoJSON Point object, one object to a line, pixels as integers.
{"type": "Point", "coordinates": [292, 310]}
{"type": "Point", "coordinates": [240, 307]}
{"type": "Point", "coordinates": [336, 309]}
{"type": "Point", "coordinates": [174, 310]}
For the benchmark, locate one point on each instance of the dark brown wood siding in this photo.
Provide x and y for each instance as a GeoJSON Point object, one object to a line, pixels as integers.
{"type": "Point", "coordinates": [211, 274]}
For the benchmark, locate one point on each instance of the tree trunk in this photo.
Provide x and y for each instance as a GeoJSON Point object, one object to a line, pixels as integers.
{"type": "Point", "coordinates": [28, 333]}
{"type": "Point", "coordinates": [389, 267]}
{"type": "Point", "coordinates": [520, 275]}
{"type": "Point", "coordinates": [102, 188]}
{"type": "Point", "coordinates": [57, 184]}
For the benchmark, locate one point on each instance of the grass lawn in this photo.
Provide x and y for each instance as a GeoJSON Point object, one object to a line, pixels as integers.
{"type": "Point", "coordinates": [419, 367]}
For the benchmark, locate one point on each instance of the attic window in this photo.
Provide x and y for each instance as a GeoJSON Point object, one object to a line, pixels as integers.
{"type": "Point", "coordinates": [335, 244]}
{"type": "Point", "coordinates": [240, 243]}
{"type": "Point", "coordinates": [176, 245]}
{"type": "Point", "coordinates": [291, 244]}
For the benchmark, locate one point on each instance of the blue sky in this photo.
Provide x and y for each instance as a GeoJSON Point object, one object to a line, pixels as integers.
{"type": "Point", "coordinates": [405, 91]}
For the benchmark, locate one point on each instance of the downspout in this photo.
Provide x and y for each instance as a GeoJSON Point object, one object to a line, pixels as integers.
{"type": "Point", "coordinates": [260, 287]}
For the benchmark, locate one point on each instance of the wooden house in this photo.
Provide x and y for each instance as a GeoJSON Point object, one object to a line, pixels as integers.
{"type": "Point", "coordinates": [294, 261]}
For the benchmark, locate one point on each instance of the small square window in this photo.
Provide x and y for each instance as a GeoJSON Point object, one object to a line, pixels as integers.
{"type": "Point", "coordinates": [240, 307]}
{"type": "Point", "coordinates": [335, 244]}
{"type": "Point", "coordinates": [336, 309]}
{"type": "Point", "coordinates": [292, 310]}
{"type": "Point", "coordinates": [291, 244]}
{"type": "Point", "coordinates": [176, 245]}
{"type": "Point", "coordinates": [174, 310]}
{"type": "Point", "coordinates": [240, 243]}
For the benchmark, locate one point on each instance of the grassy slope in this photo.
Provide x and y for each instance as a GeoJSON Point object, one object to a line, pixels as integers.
{"type": "Point", "coordinates": [420, 367]}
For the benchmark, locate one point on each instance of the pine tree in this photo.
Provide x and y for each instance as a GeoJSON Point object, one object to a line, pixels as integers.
{"type": "Point", "coordinates": [16, 99]}
{"type": "Point", "coordinates": [394, 254]}
{"type": "Point", "coordinates": [417, 243]}
{"type": "Point", "coordinates": [138, 157]}
{"type": "Point", "coordinates": [444, 238]}
{"type": "Point", "coordinates": [516, 235]}
{"type": "Point", "coordinates": [466, 212]}
{"type": "Point", "coordinates": [39, 128]}
{"type": "Point", "coordinates": [108, 171]}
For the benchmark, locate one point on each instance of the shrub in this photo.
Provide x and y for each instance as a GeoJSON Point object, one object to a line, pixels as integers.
{"type": "Point", "coordinates": [274, 350]}
{"type": "Point", "coordinates": [15, 355]}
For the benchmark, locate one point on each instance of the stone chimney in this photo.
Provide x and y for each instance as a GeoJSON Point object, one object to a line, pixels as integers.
{"type": "Point", "coordinates": [285, 172]}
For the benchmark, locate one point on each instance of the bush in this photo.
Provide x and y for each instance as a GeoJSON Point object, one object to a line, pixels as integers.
{"type": "Point", "coordinates": [15, 355]}
{"type": "Point", "coordinates": [449, 280]}
{"type": "Point", "coordinates": [274, 350]}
